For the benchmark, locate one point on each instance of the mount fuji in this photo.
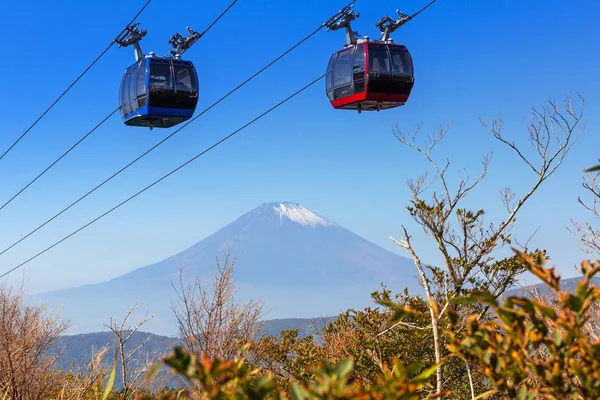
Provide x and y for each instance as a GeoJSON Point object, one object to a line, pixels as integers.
{"type": "Point", "coordinates": [298, 263]}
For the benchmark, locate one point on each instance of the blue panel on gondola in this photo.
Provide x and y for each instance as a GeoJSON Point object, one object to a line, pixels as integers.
{"type": "Point", "coordinates": [158, 92]}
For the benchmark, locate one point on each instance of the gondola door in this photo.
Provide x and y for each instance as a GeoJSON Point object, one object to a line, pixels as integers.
{"type": "Point", "coordinates": [346, 78]}
{"type": "Point", "coordinates": [359, 69]}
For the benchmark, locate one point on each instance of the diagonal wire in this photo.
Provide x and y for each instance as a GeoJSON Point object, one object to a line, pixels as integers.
{"type": "Point", "coordinates": [70, 86]}
{"type": "Point", "coordinates": [171, 135]}
{"type": "Point", "coordinates": [96, 127]}
{"type": "Point", "coordinates": [163, 177]}
{"type": "Point", "coordinates": [422, 9]}
{"type": "Point", "coordinates": [218, 18]}
{"type": "Point", "coordinates": [159, 143]}
{"type": "Point", "coordinates": [59, 158]}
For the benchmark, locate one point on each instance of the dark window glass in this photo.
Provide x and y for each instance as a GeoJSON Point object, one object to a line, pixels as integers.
{"type": "Point", "coordinates": [121, 97]}
{"type": "Point", "coordinates": [379, 62]}
{"type": "Point", "coordinates": [141, 84]}
{"type": "Point", "coordinates": [185, 79]}
{"type": "Point", "coordinates": [141, 79]}
{"type": "Point", "coordinates": [167, 91]}
{"type": "Point", "coordinates": [387, 75]}
{"type": "Point", "coordinates": [342, 73]}
{"type": "Point", "coordinates": [358, 69]}
{"type": "Point", "coordinates": [161, 84]}
{"type": "Point", "coordinates": [160, 77]}
{"type": "Point", "coordinates": [401, 62]}
{"type": "Point", "coordinates": [390, 86]}
{"type": "Point", "coordinates": [131, 99]}
{"type": "Point", "coordinates": [125, 93]}
{"type": "Point", "coordinates": [342, 68]}
{"type": "Point", "coordinates": [329, 78]}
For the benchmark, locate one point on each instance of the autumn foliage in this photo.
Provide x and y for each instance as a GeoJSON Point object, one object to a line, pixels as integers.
{"type": "Point", "coordinates": [464, 339]}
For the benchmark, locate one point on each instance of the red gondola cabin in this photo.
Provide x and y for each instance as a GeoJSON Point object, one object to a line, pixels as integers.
{"type": "Point", "coordinates": [370, 76]}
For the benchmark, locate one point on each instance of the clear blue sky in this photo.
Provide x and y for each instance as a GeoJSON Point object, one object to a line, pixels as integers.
{"type": "Point", "coordinates": [472, 59]}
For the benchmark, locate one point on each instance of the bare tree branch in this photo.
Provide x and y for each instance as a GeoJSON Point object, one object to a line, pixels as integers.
{"type": "Point", "coordinates": [469, 246]}
{"type": "Point", "coordinates": [27, 332]}
{"type": "Point", "coordinates": [213, 323]}
{"type": "Point", "coordinates": [434, 317]}
{"type": "Point", "coordinates": [586, 232]}
{"type": "Point", "coordinates": [129, 375]}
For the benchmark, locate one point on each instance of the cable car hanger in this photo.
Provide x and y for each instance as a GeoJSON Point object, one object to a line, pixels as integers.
{"type": "Point", "coordinates": [342, 20]}
{"type": "Point", "coordinates": [369, 75]}
{"type": "Point", "coordinates": [158, 91]}
{"type": "Point", "coordinates": [180, 44]}
{"type": "Point", "coordinates": [130, 35]}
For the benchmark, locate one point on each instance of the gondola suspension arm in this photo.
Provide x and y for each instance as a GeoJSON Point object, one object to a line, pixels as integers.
{"type": "Point", "coordinates": [132, 36]}
{"type": "Point", "coordinates": [387, 25]}
{"type": "Point", "coordinates": [181, 44]}
{"type": "Point", "coordinates": [342, 20]}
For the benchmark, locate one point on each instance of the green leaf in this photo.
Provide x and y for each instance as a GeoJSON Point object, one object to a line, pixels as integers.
{"type": "Point", "coordinates": [558, 338]}
{"type": "Point", "coordinates": [523, 395]}
{"type": "Point", "coordinates": [388, 304]}
{"type": "Point", "coordinates": [476, 297]}
{"type": "Point", "coordinates": [400, 311]}
{"type": "Point", "coordinates": [486, 394]}
{"type": "Point", "coordinates": [575, 303]}
{"type": "Point", "coordinates": [593, 169]}
{"type": "Point", "coordinates": [154, 371]}
{"type": "Point", "coordinates": [344, 367]}
{"type": "Point", "coordinates": [111, 379]}
{"type": "Point", "coordinates": [581, 290]}
{"type": "Point", "coordinates": [544, 310]}
{"type": "Point", "coordinates": [486, 297]}
{"type": "Point", "coordinates": [428, 373]}
{"type": "Point", "coordinates": [298, 393]}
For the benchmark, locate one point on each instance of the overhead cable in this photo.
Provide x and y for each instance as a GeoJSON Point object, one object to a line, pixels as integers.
{"type": "Point", "coordinates": [164, 140]}
{"type": "Point", "coordinates": [162, 178]}
{"type": "Point", "coordinates": [97, 126]}
{"type": "Point", "coordinates": [69, 87]}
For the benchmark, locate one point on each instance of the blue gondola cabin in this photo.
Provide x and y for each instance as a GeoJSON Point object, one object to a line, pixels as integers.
{"type": "Point", "coordinates": [158, 92]}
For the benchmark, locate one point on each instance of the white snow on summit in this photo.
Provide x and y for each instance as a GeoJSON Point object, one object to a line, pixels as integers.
{"type": "Point", "coordinates": [300, 215]}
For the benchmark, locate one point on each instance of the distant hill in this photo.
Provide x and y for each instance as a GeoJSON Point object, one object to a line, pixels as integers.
{"type": "Point", "coordinates": [307, 326]}
{"type": "Point", "coordinates": [566, 285]}
{"type": "Point", "coordinates": [297, 262]}
{"type": "Point", "coordinates": [75, 351]}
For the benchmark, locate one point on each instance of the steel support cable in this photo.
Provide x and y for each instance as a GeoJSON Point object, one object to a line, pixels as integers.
{"type": "Point", "coordinates": [218, 18]}
{"type": "Point", "coordinates": [159, 143]}
{"type": "Point", "coordinates": [59, 158]}
{"type": "Point", "coordinates": [103, 121]}
{"type": "Point", "coordinates": [163, 177]}
{"type": "Point", "coordinates": [168, 137]}
{"type": "Point", "coordinates": [421, 10]}
{"type": "Point", "coordinates": [70, 86]}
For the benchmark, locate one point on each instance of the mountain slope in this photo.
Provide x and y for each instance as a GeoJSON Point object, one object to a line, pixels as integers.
{"type": "Point", "coordinates": [566, 285]}
{"type": "Point", "coordinates": [74, 352]}
{"type": "Point", "coordinates": [299, 263]}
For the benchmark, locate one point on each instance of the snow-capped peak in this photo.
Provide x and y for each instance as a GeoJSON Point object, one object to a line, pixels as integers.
{"type": "Point", "coordinates": [294, 213]}
{"type": "Point", "coordinates": [300, 215]}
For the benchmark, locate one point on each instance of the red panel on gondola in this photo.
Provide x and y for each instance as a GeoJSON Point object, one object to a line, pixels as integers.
{"type": "Point", "coordinates": [370, 76]}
